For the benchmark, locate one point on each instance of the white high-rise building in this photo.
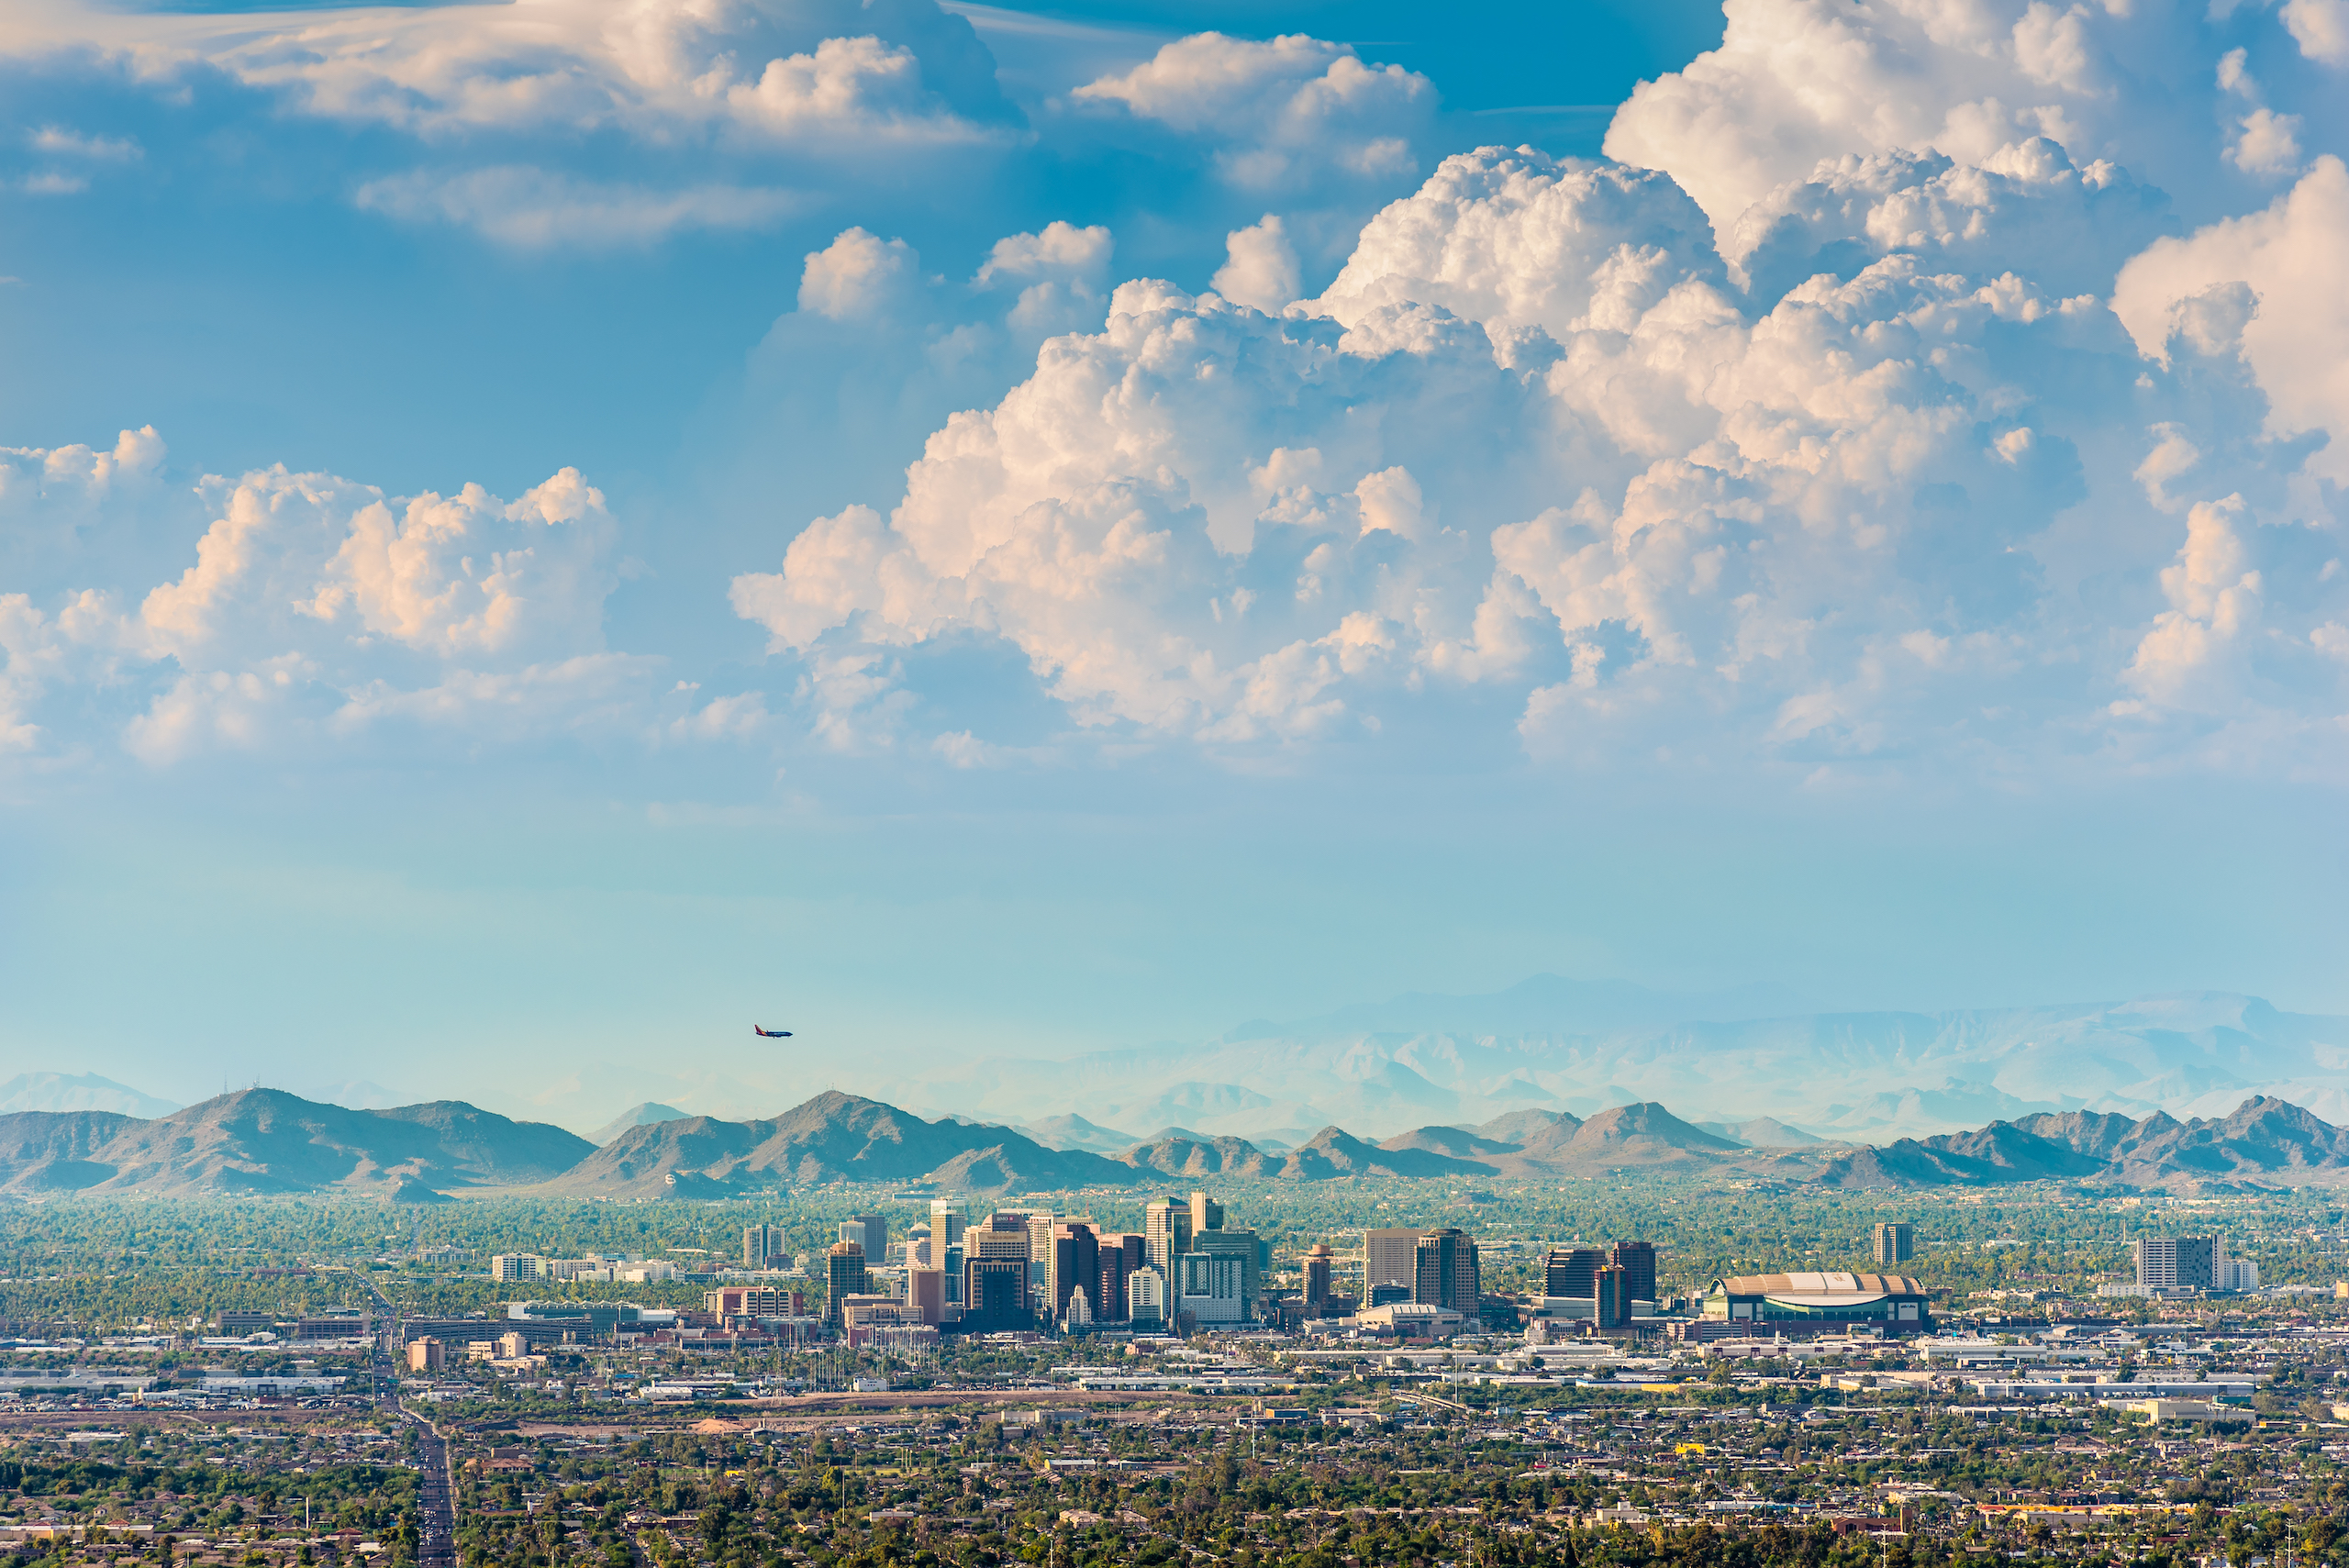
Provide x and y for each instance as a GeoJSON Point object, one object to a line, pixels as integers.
{"type": "Point", "coordinates": [1146, 1298]}
{"type": "Point", "coordinates": [1212, 1287]}
{"type": "Point", "coordinates": [2185, 1263]}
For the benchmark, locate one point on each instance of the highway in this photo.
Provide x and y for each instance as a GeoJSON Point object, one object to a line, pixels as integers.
{"type": "Point", "coordinates": [437, 1544]}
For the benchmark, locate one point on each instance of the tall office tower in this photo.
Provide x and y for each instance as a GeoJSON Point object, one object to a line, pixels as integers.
{"type": "Point", "coordinates": [1567, 1271]}
{"type": "Point", "coordinates": [1146, 1298]}
{"type": "Point", "coordinates": [1166, 1231]}
{"type": "Point", "coordinates": [1319, 1263]}
{"type": "Point", "coordinates": [1610, 1297]}
{"type": "Point", "coordinates": [870, 1231]}
{"type": "Point", "coordinates": [1895, 1243]}
{"type": "Point", "coordinates": [996, 1269]}
{"type": "Point", "coordinates": [1110, 1297]}
{"type": "Point", "coordinates": [2180, 1262]}
{"type": "Point", "coordinates": [1076, 1265]}
{"type": "Point", "coordinates": [1390, 1257]}
{"type": "Point", "coordinates": [843, 1277]}
{"type": "Point", "coordinates": [1444, 1272]}
{"type": "Point", "coordinates": [762, 1245]}
{"type": "Point", "coordinates": [995, 1294]}
{"type": "Point", "coordinates": [946, 1227]}
{"type": "Point", "coordinates": [1206, 1214]}
{"type": "Point", "coordinates": [1637, 1260]}
{"type": "Point", "coordinates": [1122, 1253]}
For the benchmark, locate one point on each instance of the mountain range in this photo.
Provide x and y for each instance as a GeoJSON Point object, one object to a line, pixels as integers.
{"type": "Point", "coordinates": [261, 1142]}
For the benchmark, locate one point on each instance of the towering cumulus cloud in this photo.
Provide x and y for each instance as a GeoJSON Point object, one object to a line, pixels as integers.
{"type": "Point", "coordinates": [1804, 426]}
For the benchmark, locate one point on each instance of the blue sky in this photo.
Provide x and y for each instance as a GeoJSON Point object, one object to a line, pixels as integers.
{"type": "Point", "coordinates": [533, 535]}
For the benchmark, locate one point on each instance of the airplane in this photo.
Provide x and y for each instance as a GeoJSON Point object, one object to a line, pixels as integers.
{"type": "Point", "coordinates": [770, 1034]}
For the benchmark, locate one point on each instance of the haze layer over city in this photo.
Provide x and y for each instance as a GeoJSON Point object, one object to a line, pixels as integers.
{"type": "Point", "coordinates": [900, 784]}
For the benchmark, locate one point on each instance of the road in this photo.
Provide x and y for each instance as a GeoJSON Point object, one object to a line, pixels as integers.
{"type": "Point", "coordinates": [436, 1543]}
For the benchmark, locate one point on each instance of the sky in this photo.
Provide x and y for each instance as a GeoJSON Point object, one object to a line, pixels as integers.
{"type": "Point", "coordinates": [535, 535]}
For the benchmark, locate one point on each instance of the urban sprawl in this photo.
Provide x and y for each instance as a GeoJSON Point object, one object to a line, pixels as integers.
{"type": "Point", "coordinates": [915, 1380]}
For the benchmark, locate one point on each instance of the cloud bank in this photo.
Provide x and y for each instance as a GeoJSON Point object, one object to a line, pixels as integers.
{"type": "Point", "coordinates": [1821, 491]}
{"type": "Point", "coordinates": [1920, 385]}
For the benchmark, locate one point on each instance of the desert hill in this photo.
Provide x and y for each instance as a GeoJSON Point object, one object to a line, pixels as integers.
{"type": "Point", "coordinates": [832, 1138]}
{"type": "Point", "coordinates": [1185, 1155]}
{"type": "Point", "coordinates": [1335, 1153]}
{"type": "Point", "coordinates": [265, 1141]}
{"type": "Point", "coordinates": [2264, 1141]}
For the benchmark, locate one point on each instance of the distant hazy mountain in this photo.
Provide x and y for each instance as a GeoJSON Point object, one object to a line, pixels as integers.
{"type": "Point", "coordinates": [1560, 1046]}
{"type": "Point", "coordinates": [645, 1115]}
{"type": "Point", "coordinates": [1763, 1132]}
{"type": "Point", "coordinates": [78, 1092]}
{"type": "Point", "coordinates": [1523, 1128]}
{"type": "Point", "coordinates": [1454, 1142]}
{"type": "Point", "coordinates": [1075, 1132]}
{"type": "Point", "coordinates": [1546, 1005]}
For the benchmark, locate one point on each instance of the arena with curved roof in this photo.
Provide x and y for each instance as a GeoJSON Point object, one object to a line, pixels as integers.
{"type": "Point", "coordinates": [1821, 1300]}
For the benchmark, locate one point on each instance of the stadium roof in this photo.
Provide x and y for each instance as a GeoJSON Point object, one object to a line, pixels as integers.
{"type": "Point", "coordinates": [1821, 1288]}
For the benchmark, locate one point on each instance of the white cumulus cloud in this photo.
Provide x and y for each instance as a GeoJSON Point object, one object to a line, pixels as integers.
{"type": "Point", "coordinates": [1280, 113]}
{"type": "Point", "coordinates": [2293, 328]}
{"type": "Point", "coordinates": [308, 609]}
{"type": "Point", "coordinates": [1260, 268]}
{"type": "Point", "coordinates": [1799, 83]}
